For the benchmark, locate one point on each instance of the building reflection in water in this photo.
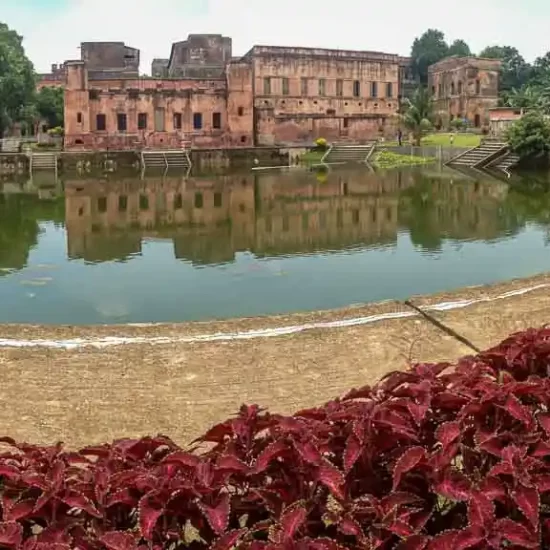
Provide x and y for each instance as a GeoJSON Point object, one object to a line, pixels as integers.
{"type": "Point", "coordinates": [210, 219]}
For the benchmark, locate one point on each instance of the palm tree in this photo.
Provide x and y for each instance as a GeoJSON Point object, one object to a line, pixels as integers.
{"type": "Point", "coordinates": [418, 115]}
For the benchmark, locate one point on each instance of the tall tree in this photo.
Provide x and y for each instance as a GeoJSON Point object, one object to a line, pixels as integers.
{"type": "Point", "coordinates": [460, 48]}
{"type": "Point", "coordinates": [418, 116]}
{"type": "Point", "coordinates": [427, 50]}
{"type": "Point", "coordinates": [49, 105]}
{"type": "Point", "coordinates": [515, 70]}
{"type": "Point", "coordinates": [17, 78]}
{"type": "Point", "coordinates": [540, 74]}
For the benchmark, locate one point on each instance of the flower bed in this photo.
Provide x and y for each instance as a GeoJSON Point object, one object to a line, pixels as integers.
{"type": "Point", "coordinates": [438, 457]}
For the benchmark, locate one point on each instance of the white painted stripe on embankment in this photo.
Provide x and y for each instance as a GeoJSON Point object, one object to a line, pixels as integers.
{"type": "Point", "coordinates": [108, 341]}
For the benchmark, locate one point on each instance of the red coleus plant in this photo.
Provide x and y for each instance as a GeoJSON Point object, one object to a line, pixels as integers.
{"type": "Point", "coordinates": [439, 457]}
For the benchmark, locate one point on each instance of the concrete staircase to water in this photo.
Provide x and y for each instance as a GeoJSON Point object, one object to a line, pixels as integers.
{"type": "Point", "coordinates": [480, 156]}
{"type": "Point", "coordinates": [177, 158]}
{"type": "Point", "coordinates": [343, 154]}
{"type": "Point", "coordinates": [505, 162]}
{"type": "Point", "coordinates": [42, 161]}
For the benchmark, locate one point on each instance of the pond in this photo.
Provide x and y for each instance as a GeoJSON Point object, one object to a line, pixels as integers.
{"type": "Point", "coordinates": [170, 248]}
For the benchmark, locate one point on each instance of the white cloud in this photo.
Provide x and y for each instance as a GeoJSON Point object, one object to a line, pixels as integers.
{"type": "Point", "coordinates": [349, 24]}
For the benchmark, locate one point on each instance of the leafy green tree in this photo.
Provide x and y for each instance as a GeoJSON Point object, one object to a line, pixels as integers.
{"type": "Point", "coordinates": [540, 73]}
{"type": "Point", "coordinates": [528, 97]}
{"type": "Point", "coordinates": [427, 50]}
{"type": "Point", "coordinates": [418, 115]}
{"type": "Point", "coordinates": [530, 136]}
{"type": "Point", "coordinates": [460, 48]}
{"type": "Point", "coordinates": [49, 105]}
{"type": "Point", "coordinates": [17, 78]}
{"type": "Point", "coordinates": [515, 70]}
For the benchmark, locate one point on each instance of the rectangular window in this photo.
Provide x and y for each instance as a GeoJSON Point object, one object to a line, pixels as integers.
{"type": "Point", "coordinates": [346, 123]}
{"type": "Point", "coordinates": [267, 86]}
{"type": "Point", "coordinates": [121, 122]}
{"type": "Point", "coordinates": [304, 86]}
{"type": "Point", "coordinates": [177, 121]}
{"type": "Point", "coordinates": [159, 120]}
{"type": "Point", "coordinates": [178, 201]}
{"type": "Point", "coordinates": [389, 89]}
{"type": "Point", "coordinates": [374, 89]}
{"type": "Point", "coordinates": [459, 87]}
{"type": "Point", "coordinates": [240, 111]}
{"type": "Point", "coordinates": [478, 87]}
{"type": "Point", "coordinates": [340, 88]}
{"type": "Point", "coordinates": [198, 200]}
{"type": "Point", "coordinates": [217, 200]}
{"type": "Point", "coordinates": [100, 123]}
{"type": "Point", "coordinates": [142, 121]}
{"type": "Point", "coordinates": [102, 204]}
{"type": "Point", "coordinates": [322, 86]}
{"type": "Point", "coordinates": [197, 121]}
{"type": "Point", "coordinates": [79, 118]}
{"type": "Point", "coordinates": [286, 89]}
{"type": "Point", "coordinates": [356, 88]}
{"type": "Point", "coordinates": [122, 203]}
{"type": "Point", "coordinates": [216, 121]}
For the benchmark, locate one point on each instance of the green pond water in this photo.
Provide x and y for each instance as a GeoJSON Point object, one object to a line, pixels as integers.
{"type": "Point", "coordinates": [173, 249]}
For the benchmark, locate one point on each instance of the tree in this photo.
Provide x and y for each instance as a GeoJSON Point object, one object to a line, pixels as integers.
{"type": "Point", "coordinates": [17, 78]}
{"type": "Point", "coordinates": [459, 48]}
{"type": "Point", "coordinates": [540, 73]}
{"type": "Point", "coordinates": [530, 136]}
{"type": "Point", "coordinates": [49, 105]}
{"type": "Point", "coordinates": [427, 50]}
{"type": "Point", "coordinates": [515, 70]}
{"type": "Point", "coordinates": [418, 116]}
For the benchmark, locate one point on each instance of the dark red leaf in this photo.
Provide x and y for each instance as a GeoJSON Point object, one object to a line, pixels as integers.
{"type": "Point", "coordinates": [349, 526]}
{"type": "Point", "coordinates": [332, 478]}
{"type": "Point", "coordinates": [448, 433]}
{"type": "Point", "coordinates": [183, 459]}
{"type": "Point", "coordinates": [229, 540]}
{"type": "Point", "coordinates": [11, 534]}
{"type": "Point", "coordinates": [77, 500]}
{"type": "Point", "coordinates": [20, 510]}
{"type": "Point", "coordinates": [352, 452]}
{"type": "Point", "coordinates": [309, 452]}
{"type": "Point", "coordinates": [218, 515]}
{"type": "Point", "coordinates": [481, 510]}
{"type": "Point", "coordinates": [528, 501]}
{"type": "Point", "coordinates": [268, 454]}
{"type": "Point", "coordinates": [231, 463]}
{"type": "Point", "coordinates": [454, 486]}
{"type": "Point", "coordinates": [516, 533]}
{"type": "Point", "coordinates": [408, 460]}
{"type": "Point", "coordinates": [292, 519]}
{"type": "Point", "coordinates": [149, 513]}
{"type": "Point", "coordinates": [514, 407]}
{"type": "Point", "coordinates": [9, 472]}
{"type": "Point", "coordinates": [119, 540]}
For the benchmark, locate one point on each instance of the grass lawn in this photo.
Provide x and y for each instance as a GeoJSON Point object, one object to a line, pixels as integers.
{"type": "Point", "coordinates": [431, 140]}
{"type": "Point", "coordinates": [461, 140]}
{"type": "Point", "coordinates": [312, 157]}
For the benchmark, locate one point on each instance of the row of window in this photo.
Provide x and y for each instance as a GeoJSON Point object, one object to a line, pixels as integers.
{"type": "Point", "coordinates": [144, 202]}
{"type": "Point", "coordinates": [142, 121]}
{"type": "Point", "coordinates": [322, 87]}
{"type": "Point", "coordinates": [441, 90]}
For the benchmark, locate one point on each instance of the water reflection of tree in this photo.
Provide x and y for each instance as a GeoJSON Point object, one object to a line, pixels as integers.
{"type": "Point", "coordinates": [439, 209]}
{"type": "Point", "coordinates": [19, 226]}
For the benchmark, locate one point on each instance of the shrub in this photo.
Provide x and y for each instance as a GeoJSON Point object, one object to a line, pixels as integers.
{"type": "Point", "coordinates": [57, 131]}
{"type": "Point", "coordinates": [530, 136]}
{"type": "Point", "coordinates": [457, 124]}
{"type": "Point", "coordinates": [438, 457]}
{"type": "Point", "coordinates": [321, 144]}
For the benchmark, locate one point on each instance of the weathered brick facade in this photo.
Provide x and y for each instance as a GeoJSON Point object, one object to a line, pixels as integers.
{"type": "Point", "coordinates": [301, 94]}
{"type": "Point", "coordinates": [465, 87]}
{"type": "Point", "coordinates": [203, 96]}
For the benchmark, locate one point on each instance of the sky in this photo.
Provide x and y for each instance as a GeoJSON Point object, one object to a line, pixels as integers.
{"type": "Point", "coordinates": [53, 29]}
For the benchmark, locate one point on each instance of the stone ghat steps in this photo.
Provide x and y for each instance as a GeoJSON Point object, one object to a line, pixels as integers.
{"type": "Point", "coordinates": [42, 161]}
{"type": "Point", "coordinates": [506, 162]}
{"type": "Point", "coordinates": [348, 153]}
{"type": "Point", "coordinates": [479, 155]}
{"type": "Point", "coordinates": [165, 159]}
